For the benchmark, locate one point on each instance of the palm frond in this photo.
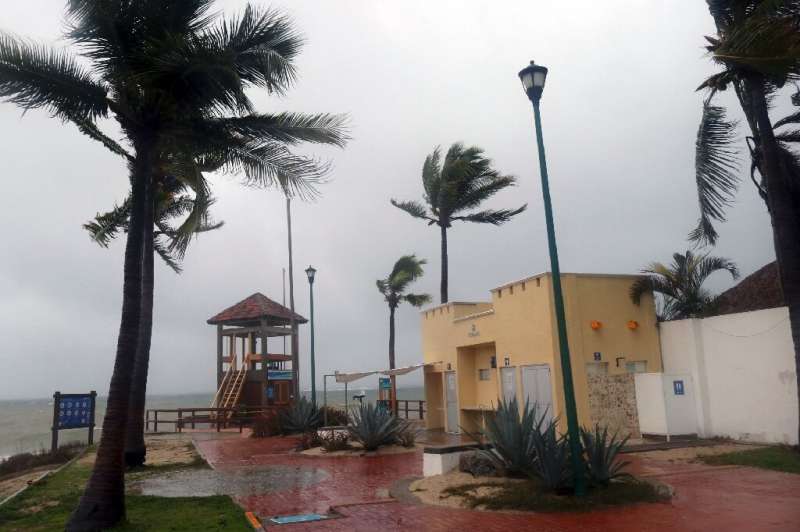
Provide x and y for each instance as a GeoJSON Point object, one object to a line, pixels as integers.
{"type": "Point", "coordinates": [34, 76]}
{"type": "Point", "coordinates": [105, 227]}
{"type": "Point", "coordinates": [289, 128]}
{"type": "Point", "coordinates": [715, 170]}
{"type": "Point", "coordinates": [171, 260]}
{"type": "Point", "coordinates": [414, 208]}
{"type": "Point", "coordinates": [417, 300]}
{"type": "Point", "coordinates": [494, 217]}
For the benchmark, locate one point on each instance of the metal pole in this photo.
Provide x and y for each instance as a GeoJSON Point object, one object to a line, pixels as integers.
{"type": "Point", "coordinates": [313, 368]}
{"type": "Point", "coordinates": [325, 400]}
{"type": "Point", "coordinates": [558, 302]}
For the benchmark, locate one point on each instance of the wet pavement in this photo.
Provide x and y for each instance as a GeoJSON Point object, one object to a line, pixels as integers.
{"type": "Point", "coordinates": [706, 497]}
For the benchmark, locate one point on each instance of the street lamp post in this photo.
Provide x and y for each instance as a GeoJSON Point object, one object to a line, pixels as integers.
{"type": "Point", "coordinates": [533, 78]}
{"type": "Point", "coordinates": [310, 272]}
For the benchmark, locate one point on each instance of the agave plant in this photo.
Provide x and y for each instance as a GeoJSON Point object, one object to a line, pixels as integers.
{"type": "Point", "coordinates": [551, 458]}
{"type": "Point", "coordinates": [602, 455]}
{"type": "Point", "coordinates": [373, 427]}
{"type": "Point", "coordinates": [302, 417]}
{"type": "Point", "coordinates": [511, 437]}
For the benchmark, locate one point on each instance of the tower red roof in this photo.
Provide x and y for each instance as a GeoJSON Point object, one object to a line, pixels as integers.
{"type": "Point", "coordinates": [254, 308]}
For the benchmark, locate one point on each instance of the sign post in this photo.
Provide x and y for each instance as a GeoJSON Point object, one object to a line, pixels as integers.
{"type": "Point", "coordinates": [73, 411]}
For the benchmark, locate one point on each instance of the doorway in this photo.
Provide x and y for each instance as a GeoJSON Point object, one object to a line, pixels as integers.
{"type": "Point", "coordinates": [451, 398]}
{"type": "Point", "coordinates": [538, 389]}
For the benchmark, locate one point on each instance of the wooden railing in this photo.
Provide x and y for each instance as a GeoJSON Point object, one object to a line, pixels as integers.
{"type": "Point", "coordinates": [212, 418]}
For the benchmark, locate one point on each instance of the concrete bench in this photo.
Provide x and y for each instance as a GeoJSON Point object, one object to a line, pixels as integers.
{"type": "Point", "coordinates": [441, 459]}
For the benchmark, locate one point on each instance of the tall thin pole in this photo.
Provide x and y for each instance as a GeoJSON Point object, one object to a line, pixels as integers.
{"type": "Point", "coordinates": [292, 323]}
{"type": "Point", "coordinates": [283, 302]}
{"type": "Point", "coordinates": [558, 303]}
{"type": "Point", "coordinates": [313, 369]}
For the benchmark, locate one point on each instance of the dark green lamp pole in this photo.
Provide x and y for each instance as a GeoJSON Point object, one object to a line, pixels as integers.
{"type": "Point", "coordinates": [533, 77]}
{"type": "Point", "coordinates": [310, 272]}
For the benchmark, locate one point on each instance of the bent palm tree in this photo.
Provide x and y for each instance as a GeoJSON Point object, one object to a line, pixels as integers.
{"type": "Point", "coordinates": [757, 45]}
{"type": "Point", "coordinates": [681, 284]}
{"type": "Point", "coordinates": [171, 202]}
{"type": "Point", "coordinates": [459, 184]}
{"type": "Point", "coordinates": [173, 76]}
{"type": "Point", "coordinates": [406, 270]}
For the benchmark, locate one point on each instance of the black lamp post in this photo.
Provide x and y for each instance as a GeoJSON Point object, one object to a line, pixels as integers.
{"type": "Point", "coordinates": [310, 272]}
{"type": "Point", "coordinates": [533, 77]}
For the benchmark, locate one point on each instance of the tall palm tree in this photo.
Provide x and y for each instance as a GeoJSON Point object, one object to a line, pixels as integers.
{"type": "Point", "coordinates": [681, 284]}
{"type": "Point", "coordinates": [460, 183]}
{"type": "Point", "coordinates": [757, 46]}
{"type": "Point", "coordinates": [171, 202]}
{"type": "Point", "coordinates": [173, 76]}
{"type": "Point", "coordinates": [406, 270]}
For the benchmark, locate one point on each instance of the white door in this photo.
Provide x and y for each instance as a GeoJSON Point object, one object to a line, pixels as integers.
{"type": "Point", "coordinates": [508, 383]}
{"type": "Point", "coordinates": [452, 401]}
{"type": "Point", "coordinates": [538, 389]}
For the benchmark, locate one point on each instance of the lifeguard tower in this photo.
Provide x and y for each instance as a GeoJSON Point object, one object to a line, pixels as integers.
{"type": "Point", "coordinates": [249, 371]}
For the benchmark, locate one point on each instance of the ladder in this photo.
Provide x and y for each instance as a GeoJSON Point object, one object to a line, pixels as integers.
{"type": "Point", "coordinates": [230, 390]}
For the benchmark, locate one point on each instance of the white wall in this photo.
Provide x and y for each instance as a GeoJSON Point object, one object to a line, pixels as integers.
{"type": "Point", "coordinates": [743, 370]}
{"type": "Point", "coordinates": [661, 411]}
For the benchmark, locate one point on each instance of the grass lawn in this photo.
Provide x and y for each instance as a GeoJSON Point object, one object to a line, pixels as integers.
{"type": "Point", "coordinates": [529, 496]}
{"type": "Point", "coordinates": [777, 458]}
{"type": "Point", "coordinates": [47, 506]}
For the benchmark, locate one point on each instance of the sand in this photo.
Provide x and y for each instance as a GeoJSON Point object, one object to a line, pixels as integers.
{"type": "Point", "coordinates": [162, 450]}
{"type": "Point", "coordinates": [358, 451]}
{"type": "Point", "coordinates": [430, 490]}
{"type": "Point", "coordinates": [690, 454]}
{"type": "Point", "coordinates": [11, 484]}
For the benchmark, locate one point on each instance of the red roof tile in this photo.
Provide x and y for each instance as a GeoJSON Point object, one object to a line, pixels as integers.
{"type": "Point", "coordinates": [254, 308]}
{"type": "Point", "coordinates": [759, 290]}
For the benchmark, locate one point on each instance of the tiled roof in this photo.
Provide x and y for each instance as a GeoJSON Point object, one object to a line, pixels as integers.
{"type": "Point", "coordinates": [759, 290]}
{"type": "Point", "coordinates": [254, 308]}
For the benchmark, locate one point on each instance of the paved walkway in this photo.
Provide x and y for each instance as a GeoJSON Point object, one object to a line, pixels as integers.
{"type": "Point", "coordinates": [707, 498]}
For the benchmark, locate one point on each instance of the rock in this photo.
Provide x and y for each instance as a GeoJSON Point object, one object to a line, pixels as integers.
{"type": "Point", "coordinates": [477, 464]}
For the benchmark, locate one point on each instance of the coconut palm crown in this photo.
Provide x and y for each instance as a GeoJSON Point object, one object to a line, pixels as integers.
{"type": "Point", "coordinates": [681, 284]}
{"type": "Point", "coordinates": [453, 188]}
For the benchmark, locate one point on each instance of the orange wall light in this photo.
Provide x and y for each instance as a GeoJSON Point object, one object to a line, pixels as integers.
{"type": "Point", "coordinates": [595, 325]}
{"type": "Point", "coordinates": [633, 325]}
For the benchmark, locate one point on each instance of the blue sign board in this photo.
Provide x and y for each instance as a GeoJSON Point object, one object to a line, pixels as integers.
{"type": "Point", "coordinates": [75, 411]}
{"type": "Point", "coordinates": [677, 387]}
{"type": "Point", "coordinates": [279, 374]}
{"type": "Point", "coordinates": [385, 383]}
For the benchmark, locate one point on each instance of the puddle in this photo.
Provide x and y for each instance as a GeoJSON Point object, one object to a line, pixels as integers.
{"type": "Point", "coordinates": [208, 482]}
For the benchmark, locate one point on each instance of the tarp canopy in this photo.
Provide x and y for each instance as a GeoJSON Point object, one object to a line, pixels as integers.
{"type": "Point", "coordinates": [350, 377]}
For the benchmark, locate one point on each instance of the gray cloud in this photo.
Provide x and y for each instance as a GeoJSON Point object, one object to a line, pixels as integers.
{"type": "Point", "coordinates": [619, 111]}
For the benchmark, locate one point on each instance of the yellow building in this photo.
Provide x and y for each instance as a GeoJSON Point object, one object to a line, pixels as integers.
{"type": "Point", "coordinates": [479, 352]}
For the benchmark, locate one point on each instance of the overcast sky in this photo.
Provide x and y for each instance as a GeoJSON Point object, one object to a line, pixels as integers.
{"type": "Point", "coordinates": [619, 112]}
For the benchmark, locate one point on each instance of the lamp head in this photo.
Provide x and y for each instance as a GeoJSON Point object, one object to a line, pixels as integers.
{"type": "Point", "coordinates": [310, 272]}
{"type": "Point", "coordinates": [533, 77]}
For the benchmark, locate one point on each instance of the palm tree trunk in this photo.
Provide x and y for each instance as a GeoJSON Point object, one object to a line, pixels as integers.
{"type": "Point", "coordinates": [135, 449]}
{"type": "Point", "coordinates": [784, 209]}
{"type": "Point", "coordinates": [443, 287]}
{"type": "Point", "coordinates": [103, 501]}
{"type": "Point", "coordinates": [391, 359]}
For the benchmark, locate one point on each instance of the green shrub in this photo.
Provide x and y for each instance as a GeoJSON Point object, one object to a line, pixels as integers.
{"type": "Point", "coordinates": [301, 417]}
{"type": "Point", "coordinates": [373, 427]}
{"type": "Point", "coordinates": [24, 461]}
{"type": "Point", "coordinates": [336, 417]}
{"type": "Point", "coordinates": [551, 462]}
{"type": "Point", "coordinates": [511, 437]}
{"type": "Point", "coordinates": [602, 455]}
{"type": "Point", "coordinates": [408, 437]}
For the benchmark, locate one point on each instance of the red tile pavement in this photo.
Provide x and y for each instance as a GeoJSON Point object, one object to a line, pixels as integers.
{"type": "Point", "coordinates": [706, 498]}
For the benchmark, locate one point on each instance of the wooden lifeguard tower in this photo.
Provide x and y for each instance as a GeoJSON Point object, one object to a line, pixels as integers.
{"type": "Point", "coordinates": [248, 373]}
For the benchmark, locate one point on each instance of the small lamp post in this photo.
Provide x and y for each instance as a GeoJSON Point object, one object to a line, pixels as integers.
{"type": "Point", "coordinates": [533, 77]}
{"type": "Point", "coordinates": [311, 272]}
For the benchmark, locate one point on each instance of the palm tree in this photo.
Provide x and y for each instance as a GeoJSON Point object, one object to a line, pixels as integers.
{"type": "Point", "coordinates": [406, 270]}
{"type": "Point", "coordinates": [461, 183]}
{"type": "Point", "coordinates": [757, 46]}
{"type": "Point", "coordinates": [171, 201]}
{"type": "Point", "coordinates": [173, 76]}
{"type": "Point", "coordinates": [681, 284]}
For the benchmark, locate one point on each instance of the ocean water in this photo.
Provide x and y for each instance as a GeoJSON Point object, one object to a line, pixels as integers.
{"type": "Point", "coordinates": [25, 423]}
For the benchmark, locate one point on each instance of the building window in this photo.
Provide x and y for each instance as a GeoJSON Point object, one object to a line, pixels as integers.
{"type": "Point", "coordinates": [637, 366]}
{"type": "Point", "coordinates": [597, 368]}
{"type": "Point", "coordinates": [484, 374]}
